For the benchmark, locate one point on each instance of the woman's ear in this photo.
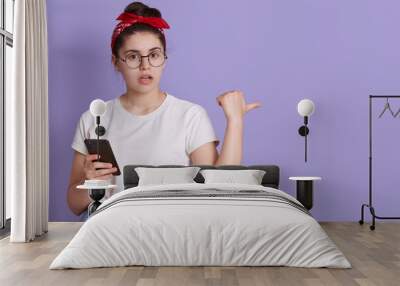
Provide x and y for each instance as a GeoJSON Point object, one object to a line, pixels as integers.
{"type": "Point", "coordinates": [115, 62]}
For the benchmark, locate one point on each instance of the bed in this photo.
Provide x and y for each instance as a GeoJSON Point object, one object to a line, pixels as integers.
{"type": "Point", "coordinates": [201, 224]}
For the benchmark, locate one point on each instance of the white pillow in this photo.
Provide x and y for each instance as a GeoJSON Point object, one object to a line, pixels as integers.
{"type": "Point", "coordinates": [162, 176]}
{"type": "Point", "coordinates": [249, 177]}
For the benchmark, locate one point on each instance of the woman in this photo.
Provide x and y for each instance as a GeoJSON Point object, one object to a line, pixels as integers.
{"type": "Point", "coordinates": [146, 125]}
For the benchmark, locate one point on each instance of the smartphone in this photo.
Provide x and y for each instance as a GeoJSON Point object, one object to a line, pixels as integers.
{"type": "Point", "coordinates": [105, 151]}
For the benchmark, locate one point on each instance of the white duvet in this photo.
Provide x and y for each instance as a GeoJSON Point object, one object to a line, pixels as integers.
{"type": "Point", "coordinates": [200, 231]}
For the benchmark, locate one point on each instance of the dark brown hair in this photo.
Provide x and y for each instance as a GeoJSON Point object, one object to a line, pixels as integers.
{"type": "Point", "coordinates": [139, 9]}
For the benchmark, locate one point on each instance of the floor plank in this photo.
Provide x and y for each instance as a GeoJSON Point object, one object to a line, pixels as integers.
{"type": "Point", "coordinates": [374, 255]}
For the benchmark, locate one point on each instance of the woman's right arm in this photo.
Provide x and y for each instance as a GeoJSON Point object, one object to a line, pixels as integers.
{"type": "Point", "coordinates": [83, 168]}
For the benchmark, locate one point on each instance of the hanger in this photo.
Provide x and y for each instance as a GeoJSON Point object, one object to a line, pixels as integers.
{"type": "Point", "coordinates": [397, 113]}
{"type": "Point", "coordinates": [387, 106]}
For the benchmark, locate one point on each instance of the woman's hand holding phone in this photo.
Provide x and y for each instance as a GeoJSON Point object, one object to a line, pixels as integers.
{"type": "Point", "coordinates": [97, 170]}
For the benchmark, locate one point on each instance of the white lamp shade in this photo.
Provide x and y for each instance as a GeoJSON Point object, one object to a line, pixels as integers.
{"type": "Point", "coordinates": [97, 107]}
{"type": "Point", "coordinates": [305, 107]}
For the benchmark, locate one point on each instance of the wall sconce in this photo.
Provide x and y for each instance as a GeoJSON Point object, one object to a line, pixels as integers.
{"type": "Point", "coordinates": [305, 108]}
{"type": "Point", "coordinates": [97, 109]}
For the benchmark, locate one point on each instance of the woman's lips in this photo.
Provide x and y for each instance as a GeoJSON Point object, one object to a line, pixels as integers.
{"type": "Point", "coordinates": [145, 80]}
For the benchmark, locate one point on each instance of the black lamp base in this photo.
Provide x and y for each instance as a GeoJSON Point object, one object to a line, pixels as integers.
{"type": "Point", "coordinates": [303, 130]}
{"type": "Point", "coordinates": [100, 130]}
{"type": "Point", "coordinates": [96, 195]}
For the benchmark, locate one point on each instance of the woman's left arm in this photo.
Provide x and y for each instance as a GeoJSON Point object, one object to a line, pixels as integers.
{"type": "Point", "coordinates": [235, 107]}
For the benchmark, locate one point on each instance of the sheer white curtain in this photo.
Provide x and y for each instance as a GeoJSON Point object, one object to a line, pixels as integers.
{"type": "Point", "coordinates": [27, 148]}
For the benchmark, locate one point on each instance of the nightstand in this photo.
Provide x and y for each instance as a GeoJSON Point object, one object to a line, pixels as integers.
{"type": "Point", "coordinates": [304, 190]}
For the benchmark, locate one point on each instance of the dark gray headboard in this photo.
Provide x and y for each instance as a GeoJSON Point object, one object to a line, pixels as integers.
{"type": "Point", "coordinates": [270, 179]}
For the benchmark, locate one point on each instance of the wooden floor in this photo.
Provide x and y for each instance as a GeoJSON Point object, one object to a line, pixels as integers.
{"type": "Point", "coordinates": [374, 255]}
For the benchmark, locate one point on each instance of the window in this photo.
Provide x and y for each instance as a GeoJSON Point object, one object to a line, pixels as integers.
{"type": "Point", "coordinates": [6, 65]}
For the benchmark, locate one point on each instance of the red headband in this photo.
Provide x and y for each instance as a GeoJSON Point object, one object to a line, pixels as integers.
{"type": "Point", "coordinates": [128, 19]}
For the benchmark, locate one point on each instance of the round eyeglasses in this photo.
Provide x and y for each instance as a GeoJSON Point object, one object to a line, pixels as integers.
{"type": "Point", "coordinates": [134, 60]}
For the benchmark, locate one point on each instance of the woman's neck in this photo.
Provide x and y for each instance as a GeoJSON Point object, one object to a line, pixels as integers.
{"type": "Point", "coordinates": [142, 103]}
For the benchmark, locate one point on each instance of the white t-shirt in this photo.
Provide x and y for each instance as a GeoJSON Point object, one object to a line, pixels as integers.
{"type": "Point", "coordinates": [166, 135]}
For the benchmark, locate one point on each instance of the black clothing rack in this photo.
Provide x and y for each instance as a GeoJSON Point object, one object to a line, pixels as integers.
{"type": "Point", "coordinates": [369, 205]}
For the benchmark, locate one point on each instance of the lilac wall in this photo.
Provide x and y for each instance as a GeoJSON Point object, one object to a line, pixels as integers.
{"type": "Point", "coordinates": [333, 52]}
